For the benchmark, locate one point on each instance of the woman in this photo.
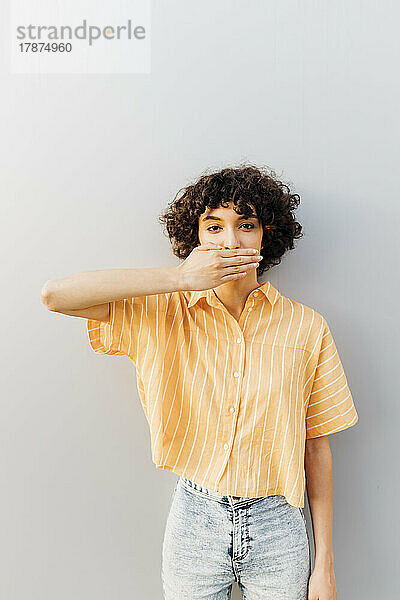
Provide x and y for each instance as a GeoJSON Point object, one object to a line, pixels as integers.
{"type": "Point", "coordinates": [240, 386]}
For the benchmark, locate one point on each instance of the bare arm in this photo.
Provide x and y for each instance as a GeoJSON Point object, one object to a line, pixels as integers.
{"type": "Point", "coordinates": [206, 266]}
{"type": "Point", "coordinates": [90, 288]}
{"type": "Point", "coordinates": [319, 475]}
{"type": "Point", "coordinates": [99, 312]}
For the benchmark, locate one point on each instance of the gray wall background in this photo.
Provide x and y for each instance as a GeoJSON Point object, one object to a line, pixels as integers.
{"type": "Point", "coordinates": [88, 163]}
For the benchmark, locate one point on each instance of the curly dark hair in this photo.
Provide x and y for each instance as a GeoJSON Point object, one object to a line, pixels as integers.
{"type": "Point", "coordinates": [246, 186]}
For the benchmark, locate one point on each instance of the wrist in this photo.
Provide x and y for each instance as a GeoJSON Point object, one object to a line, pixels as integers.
{"type": "Point", "coordinates": [179, 280]}
{"type": "Point", "coordinates": [324, 561]}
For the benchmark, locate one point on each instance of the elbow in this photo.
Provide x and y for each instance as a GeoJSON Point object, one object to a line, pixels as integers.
{"type": "Point", "coordinates": [317, 445]}
{"type": "Point", "coordinates": [47, 295]}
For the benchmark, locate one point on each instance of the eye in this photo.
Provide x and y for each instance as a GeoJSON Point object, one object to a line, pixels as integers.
{"type": "Point", "coordinates": [250, 224]}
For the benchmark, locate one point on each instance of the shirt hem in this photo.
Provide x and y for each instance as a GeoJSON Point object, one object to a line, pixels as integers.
{"type": "Point", "coordinates": [270, 492]}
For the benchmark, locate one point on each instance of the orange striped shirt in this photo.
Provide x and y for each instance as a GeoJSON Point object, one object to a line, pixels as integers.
{"type": "Point", "coordinates": [230, 403]}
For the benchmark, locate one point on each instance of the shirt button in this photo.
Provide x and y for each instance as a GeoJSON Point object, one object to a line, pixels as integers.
{"type": "Point", "coordinates": [238, 340]}
{"type": "Point", "coordinates": [232, 409]}
{"type": "Point", "coordinates": [249, 309]}
{"type": "Point", "coordinates": [236, 374]}
{"type": "Point", "coordinates": [226, 446]}
{"type": "Point", "coordinates": [255, 294]}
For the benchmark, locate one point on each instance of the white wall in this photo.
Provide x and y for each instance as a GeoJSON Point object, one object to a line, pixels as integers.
{"type": "Point", "coordinates": [87, 164]}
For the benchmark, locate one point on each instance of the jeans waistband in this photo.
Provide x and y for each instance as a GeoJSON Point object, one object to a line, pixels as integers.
{"type": "Point", "coordinates": [192, 485]}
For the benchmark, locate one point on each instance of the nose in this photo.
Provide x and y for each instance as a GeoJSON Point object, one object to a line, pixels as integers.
{"type": "Point", "coordinates": [231, 241]}
{"type": "Point", "coordinates": [231, 246]}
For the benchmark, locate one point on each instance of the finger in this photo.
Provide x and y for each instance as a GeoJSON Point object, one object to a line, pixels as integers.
{"type": "Point", "coordinates": [210, 246]}
{"type": "Point", "coordinates": [232, 253]}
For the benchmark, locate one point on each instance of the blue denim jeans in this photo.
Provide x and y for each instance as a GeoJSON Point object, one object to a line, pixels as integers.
{"type": "Point", "coordinates": [211, 541]}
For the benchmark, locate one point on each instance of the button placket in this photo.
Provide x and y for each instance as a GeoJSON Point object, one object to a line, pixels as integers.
{"type": "Point", "coordinates": [233, 409]}
{"type": "Point", "coordinates": [236, 375]}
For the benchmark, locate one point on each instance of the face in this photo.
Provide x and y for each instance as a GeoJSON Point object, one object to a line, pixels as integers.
{"type": "Point", "coordinates": [229, 229]}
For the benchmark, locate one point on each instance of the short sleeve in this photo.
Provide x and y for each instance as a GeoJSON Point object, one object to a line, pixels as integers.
{"type": "Point", "coordinates": [330, 405]}
{"type": "Point", "coordinates": [133, 326]}
{"type": "Point", "coordinates": [117, 335]}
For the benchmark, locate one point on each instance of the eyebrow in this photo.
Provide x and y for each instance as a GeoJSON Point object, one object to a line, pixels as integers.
{"type": "Point", "coordinates": [211, 217]}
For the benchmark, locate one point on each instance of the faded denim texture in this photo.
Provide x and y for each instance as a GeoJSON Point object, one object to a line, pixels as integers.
{"type": "Point", "coordinates": [211, 541]}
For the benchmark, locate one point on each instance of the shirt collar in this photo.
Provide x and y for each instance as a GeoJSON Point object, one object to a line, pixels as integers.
{"type": "Point", "coordinates": [266, 288]}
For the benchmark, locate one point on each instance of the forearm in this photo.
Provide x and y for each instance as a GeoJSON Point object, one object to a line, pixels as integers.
{"type": "Point", "coordinates": [90, 288]}
{"type": "Point", "coordinates": [319, 476]}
